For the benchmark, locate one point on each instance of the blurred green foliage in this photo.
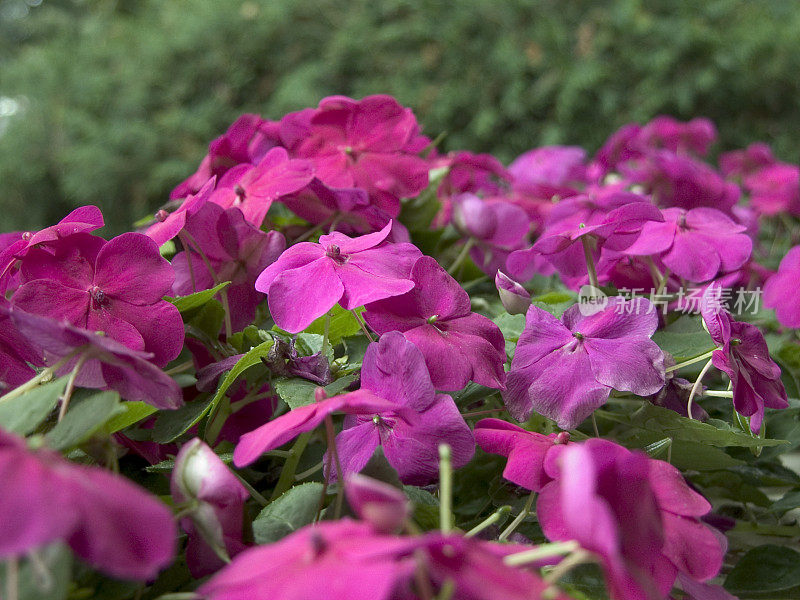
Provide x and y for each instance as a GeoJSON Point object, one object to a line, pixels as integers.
{"type": "Point", "coordinates": [119, 99]}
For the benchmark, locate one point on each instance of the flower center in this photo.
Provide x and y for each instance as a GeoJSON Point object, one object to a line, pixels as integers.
{"type": "Point", "coordinates": [562, 438]}
{"type": "Point", "coordinates": [98, 297]}
{"type": "Point", "coordinates": [27, 235]}
{"type": "Point", "coordinates": [161, 215]}
{"type": "Point", "coordinates": [432, 319]}
{"type": "Point", "coordinates": [334, 252]}
{"type": "Point", "coordinates": [240, 194]}
{"type": "Point", "coordinates": [735, 341]}
{"type": "Point", "coordinates": [578, 335]}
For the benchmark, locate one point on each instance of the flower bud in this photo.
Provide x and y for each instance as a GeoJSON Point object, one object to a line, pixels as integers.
{"type": "Point", "coordinates": [383, 506]}
{"type": "Point", "coordinates": [514, 297]}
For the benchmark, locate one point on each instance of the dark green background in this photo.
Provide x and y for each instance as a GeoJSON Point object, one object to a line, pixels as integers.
{"type": "Point", "coordinates": [120, 99]}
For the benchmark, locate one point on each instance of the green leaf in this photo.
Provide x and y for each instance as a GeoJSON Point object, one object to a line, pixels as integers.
{"type": "Point", "coordinates": [288, 513]}
{"type": "Point", "coordinates": [554, 302]}
{"type": "Point", "coordinates": [297, 392]}
{"type": "Point", "coordinates": [50, 580]}
{"type": "Point", "coordinates": [765, 570]}
{"type": "Point", "coordinates": [511, 326]}
{"type": "Point", "coordinates": [171, 424]}
{"type": "Point", "coordinates": [684, 339]}
{"type": "Point", "coordinates": [251, 358]}
{"type": "Point", "coordinates": [668, 423]}
{"type": "Point", "coordinates": [24, 413]}
{"type": "Point", "coordinates": [133, 413]}
{"type": "Point", "coordinates": [789, 501]}
{"type": "Point", "coordinates": [83, 419]}
{"type": "Point", "coordinates": [188, 303]}
{"type": "Point", "coordinates": [343, 324]}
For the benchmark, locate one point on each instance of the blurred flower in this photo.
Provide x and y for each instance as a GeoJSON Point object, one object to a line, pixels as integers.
{"type": "Point", "coordinates": [781, 293]}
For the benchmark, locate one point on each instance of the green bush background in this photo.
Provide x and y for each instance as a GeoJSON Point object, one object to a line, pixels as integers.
{"type": "Point", "coordinates": [120, 98]}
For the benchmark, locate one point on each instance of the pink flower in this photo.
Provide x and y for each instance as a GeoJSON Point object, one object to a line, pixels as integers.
{"type": "Point", "coordinates": [116, 287]}
{"type": "Point", "coordinates": [381, 505]}
{"type": "Point", "coordinates": [781, 293]}
{"type": "Point", "coordinates": [369, 143]}
{"type": "Point", "coordinates": [458, 344]}
{"type": "Point", "coordinates": [309, 279]}
{"type": "Point", "coordinates": [775, 189]}
{"type": "Point", "coordinates": [565, 369]}
{"type": "Point", "coordinates": [113, 525]}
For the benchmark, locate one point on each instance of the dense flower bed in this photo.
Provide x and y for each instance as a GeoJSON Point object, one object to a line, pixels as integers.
{"type": "Point", "coordinates": [275, 389]}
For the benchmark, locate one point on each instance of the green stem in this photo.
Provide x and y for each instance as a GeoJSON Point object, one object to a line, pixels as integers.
{"type": "Point", "coordinates": [461, 256]}
{"type": "Point", "coordinates": [718, 393]}
{"type": "Point", "coordinates": [286, 479]}
{"type": "Point", "coordinates": [590, 267]}
{"type": "Point", "coordinates": [189, 241]}
{"type": "Point", "coordinates": [363, 326]}
{"type": "Point", "coordinates": [326, 334]}
{"type": "Point", "coordinates": [541, 553]}
{"type": "Point", "coordinates": [445, 489]}
{"type": "Point", "coordinates": [65, 397]}
{"type": "Point", "coordinates": [339, 473]}
{"type": "Point", "coordinates": [253, 492]}
{"type": "Point", "coordinates": [526, 510]}
{"type": "Point", "coordinates": [691, 361]}
{"type": "Point", "coordinates": [43, 377]}
{"type": "Point", "coordinates": [500, 513]}
{"type": "Point", "coordinates": [663, 283]}
{"type": "Point", "coordinates": [697, 383]}
{"type": "Point", "coordinates": [12, 579]}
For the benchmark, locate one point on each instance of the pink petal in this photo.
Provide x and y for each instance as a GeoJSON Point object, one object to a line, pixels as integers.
{"type": "Point", "coordinates": [130, 267]}
{"type": "Point", "coordinates": [299, 296]}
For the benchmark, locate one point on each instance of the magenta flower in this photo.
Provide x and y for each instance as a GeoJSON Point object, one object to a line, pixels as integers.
{"type": "Point", "coordinates": [550, 171]}
{"type": "Point", "coordinates": [380, 504]}
{"type": "Point", "coordinates": [665, 132]}
{"type": "Point", "coordinates": [167, 225]}
{"type": "Point", "coordinates": [495, 227]}
{"type": "Point", "coordinates": [253, 188]}
{"type": "Point", "coordinates": [370, 143]}
{"type": "Point", "coordinates": [108, 364]}
{"type": "Point", "coordinates": [780, 291]}
{"type": "Point", "coordinates": [515, 298]}
{"type": "Point", "coordinates": [309, 279]}
{"type": "Point", "coordinates": [235, 250]}
{"type": "Point", "coordinates": [526, 451]}
{"type": "Point", "coordinates": [458, 345]}
{"type": "Point", "coordinates": [217, 521]}
{"type": "Point", "coordinates": [116, 287]}
{"type": "Point", "coordinates": [637, 516]}
{"type": "Point", "coordinates": [744, 357]}
{"type": "Point", "coordinates": [113, 525]}
{"type": "Point", "coordinates": [416, 421]}
{"type": "Point", "coordinates": [775, 189]}
{"type": "Point", "coordinates": [17, 353]}
{"type": "Point", "coordinates": [566, 369]}
{"type": "Point", "coordinates": [741, 163]}
{"type": "Point", "coordinates": [695, 244]}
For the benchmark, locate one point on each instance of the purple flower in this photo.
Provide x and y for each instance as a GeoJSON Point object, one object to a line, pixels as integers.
{"type": "Point", "coordinates": [383, 506]}
{"type": "Point", "coordinates": [566, 369]}
{"type": "Point", "coordinates": [113, 525]}
{"type": "Point", "coordinates": [253, 188]}
{"type": "Point", "coordinates": [741, 163]}
{"type": "Point", "coordinates": [775, 189]}
{"type": "Point", "coordinates": [414, 423]}
{"type": "Point", "coordinates": [458, 345]}
{"type": "Point", "coordinates": [695, 244]}
{"type": "Point", "coordinates": [108, 364]}
{"type": "Point", "coordinates": [116, 287]}
{"type": "Point", "coordinates": [17, 353]}
{"type": "Point", "coordinates": [665, 132]}
{"type": "Point", "coordinates": [637, 515]}
{"type": "Point", "coordinates": [526, 451]}
{"type": "Point", "coordinates": [369, 143]}
{"type": "Point", "coordinates": [167, 225]}
{"type": "Point", "coordinates": [309, 279]}
{"type": "Point", "coordinates": [514, 297]}
{"type": "Point", "coordinates": [780, 291]}
{"type": "Point", "coordinates": [744, 357]}
{"type": "Point", "coordinates": [550, 171]}
{"type": "Point", "coordinates": [217, 521]}
{"type": "Point", "coordinates": [285, 428]}
{"type": "Point", "coordinates": [235, 250]}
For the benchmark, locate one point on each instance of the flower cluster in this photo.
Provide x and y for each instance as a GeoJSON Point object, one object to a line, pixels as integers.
{"type": "Point", "coordinates": [294, 352]}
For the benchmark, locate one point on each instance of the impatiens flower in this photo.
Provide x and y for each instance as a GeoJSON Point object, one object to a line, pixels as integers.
{"type": "Point", "coordinates": [458, 345]}
{"type": "Point", "coordinates": [253, 188]}
{"type": "Point", "coordinates": [369, 143]}
{"type": "Point", "coordinates": [17, 353]}
{"type": "Point", "coordinates": [167, 225]}
{"type": "Point", "coordinates": [106, 362]}
{"type": "Point", "coordinates": [565, 369]}
{"type": "Point", "coordinates": [741, 163]}
{"type": "Point", "coordinates": [381, 505]}
{"type": "Point", "coordinates": [526, 450]}
{"type": "Point", "coordinates": [744, 357]}
{"type": "Point", "coordinates": [609, 219]}
{"type": "Point", "coordinates": [550, 171]}
{"type": "Point", "coordinates": [116, 287]}
{"type": "Point", "coordinates": [665, 132]}
{"type": "Point", "coordinates": [495, 227]}
{"type": "Point", "coordinates": [113, 525]}
{"type": "Point", "coordinates": [235, 250]}
{"type": "Point", "coordinates": [216, 522]}
{"type": "Point", "coordinates": [515, 298]}
{"type": "Point", "coordinates": [414, 425]}
{"type": "Point", "coordinates": [695, 244]}
{"type": "Point", "coordinates": [636, 515]}
{"type": "Point", "coordinates": [309, 279]}
{"type": "Point", "coordinates": [775, 189]}
{"type": "Point", "coordinates": [781, 290]}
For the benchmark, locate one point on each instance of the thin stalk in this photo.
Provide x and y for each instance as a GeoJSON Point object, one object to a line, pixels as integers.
{"type": "Point", "coordinates": [286, 479]}
{"type": "Point", "coordinates": [565, 566]}
{"type": "Point", "coordinates": [445, 489]}
{"type": "Point", "coordinates": [67, 395]}
{"type": "Point", "coordinates": [184, 366]}
{"type": "Point", "coordinates": [461, 256]}
{"type": "Point", "coordinates": [363, 326]}
{"type": "Point", "coordinates": [663, 283]}
{"type": "Point", "coordinates": [339, 473]}
{"type": "Point", "coordinates": [500, 513]}
{"type": "Point", "coordinates": [691, 361]}
{"type": "Point", "coordinates": [698, 382]}
{"type": "Point", "coordinates": [526, 510]}
{"type": "Point", "coordinates": [719, 393]}
{"type": "Point", "coordinates": [43, 377]}
{"type": "Point", "coordinates": [594, 424]}
{"type": "Point", "coordinates": [189, 240]}
{"type": "Point", "coordinates": [253, 492]}
{"type": "Point", "coordinates": [12, 579]}
{"type": "Point", "coordinates": [326, 334]}
{"type": "Point", "coordinates": [590, 267]}
{"type": "Point", "coordinates": [542, 552]}
{"type": "Point", "coordinates": [308, 472]}
{"type": "Point", "coordinates": [479, 413]}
